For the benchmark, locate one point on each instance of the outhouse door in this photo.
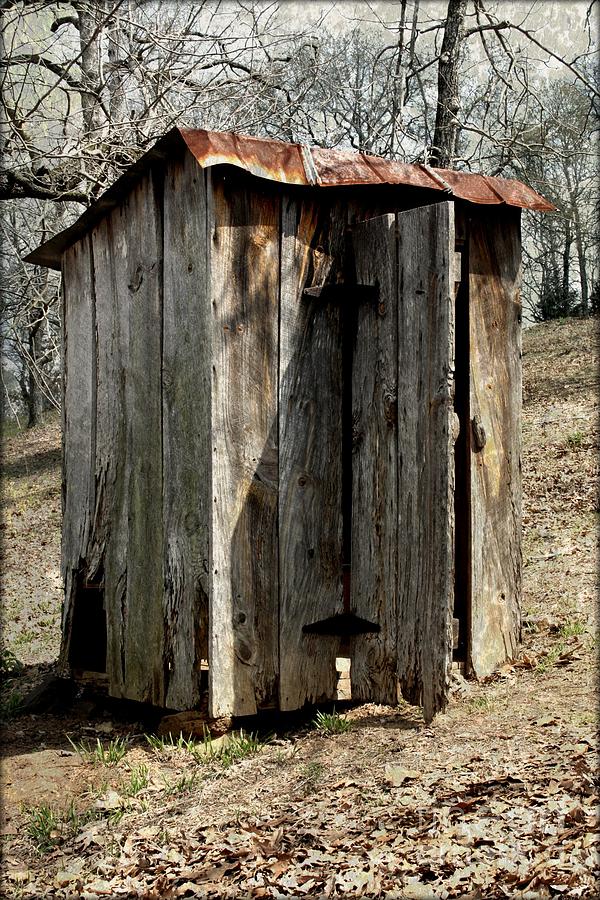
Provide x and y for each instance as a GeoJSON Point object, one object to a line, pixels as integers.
{"type": "Point", "coordinates": [403, 457]}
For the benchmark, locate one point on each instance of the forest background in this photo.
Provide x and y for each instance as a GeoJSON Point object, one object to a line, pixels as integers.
{"type": "Point", "coordinates": [506, 88]}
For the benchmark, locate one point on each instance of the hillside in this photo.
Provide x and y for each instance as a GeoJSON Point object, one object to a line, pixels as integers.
{"type": "Point", "coordinates": [496, 798]}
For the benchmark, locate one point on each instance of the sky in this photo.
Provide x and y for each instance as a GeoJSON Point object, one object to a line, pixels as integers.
{"type": "Point", "coordinates": [558, 23]}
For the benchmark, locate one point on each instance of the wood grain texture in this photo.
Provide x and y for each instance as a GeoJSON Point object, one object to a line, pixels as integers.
{"type": "Point", "coordinates": [143, 621]}
{"type": "Point", "coordinates": [495, 401]}
{"type": "Point", "coordinates": [111, 243]}
{"type": "Point", "coordinates": [110, 445]}
{"type": "Point", "coordinates": [425, 454]}
{"type": "Point", "coordinates": [109, 397]}
{"type": "Point", "coordinates": [243, 645]}
{"type": "Point", "coordinates": [186, 432]}
{"type": "Point", "coordinates": [310, 441]}
{"type": "Point", "coordinates": [79, 397]}
{"type": "Point", "coordinates": [375, 462]}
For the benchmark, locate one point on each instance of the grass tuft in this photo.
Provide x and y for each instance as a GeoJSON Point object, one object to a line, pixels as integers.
{"type": "Point", "coordinates": [570, 629]}
{"type": "Point", "coordinates": [237, 746]}
{"type": "Point", "coordinates": [98, 753]}
{"type": "Point", "coordinates": [240, 746]}
{"type": "Point", "coordinates": [480, 704]}
{"type": "Point", "coordinates": [331, 723]}
{"type": "Point", "coordinates": [138, 780]}
{"type": "Point", "coordinates": [162, 745]}
{"type": "Point", "coordinates": [575, 439]}
{"type": "Point", "coordinates": [9, 664]}
{"type": "Point", "coordinates": [183, 785]}
{"type": "Point", "coordinates": [43, 827]}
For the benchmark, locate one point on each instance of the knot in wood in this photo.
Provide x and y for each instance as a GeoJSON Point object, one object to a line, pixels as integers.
{"type": "Point", "coordinates": [390, 409]}
{"type": "Point", "coordinates": [479, 435]}
{"type": "Point", "coordinates": [136, 280]}
{"type": "Point", "coordinates": [244, 652]}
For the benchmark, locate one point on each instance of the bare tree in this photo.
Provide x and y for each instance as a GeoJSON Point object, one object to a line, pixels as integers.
{"type": "Point", "coordinates": [561, 161]}
{"type": "Point", "coordinates": [445, 135]}
{"type": "Point", "coordinates": [89, 84]}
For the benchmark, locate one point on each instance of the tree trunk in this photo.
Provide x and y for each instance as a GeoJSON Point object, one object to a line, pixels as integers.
{"type": "Point", "coordinates": [114, 81]}
{"type": "Point", "coordinates": [399, 79]}
{"type": "Point", "coordinates": [91, 17]}
{"type": "Point", "coordinates": [583, 278]}
{"type": "Point", "coordinates": [30, 389]}
{"type": "Point", "coordinates": [567, 258]}
{"type": "Point", "coordinates": [445, 137]}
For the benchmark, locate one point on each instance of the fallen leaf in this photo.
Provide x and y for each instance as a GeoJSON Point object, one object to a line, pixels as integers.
{"type": "Point", "coordinates": [396, 775]}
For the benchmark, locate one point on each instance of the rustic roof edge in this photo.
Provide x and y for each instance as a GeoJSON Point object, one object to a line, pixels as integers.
{"type": "Point", "coordinates": [293, 164]}
{"type": "Point", "coordinates": [50, 252]}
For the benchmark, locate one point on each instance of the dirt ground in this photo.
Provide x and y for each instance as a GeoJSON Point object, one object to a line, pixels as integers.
{"type": "Point", "coordinates": [496, 798]}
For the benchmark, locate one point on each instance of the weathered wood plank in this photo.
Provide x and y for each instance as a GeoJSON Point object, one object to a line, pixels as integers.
{"type": "Point", "coordinates": [495, 400]}
{"type": "Point", "coordinates": [310, 441]}
{"type": "Point", "coordinates": [462, 463]}
{"type": "Point", "coordinates": [79, 355]}
{"type": "Point", "coordinates": [186, 432]}
{"type": "Point", "coordinates": [109, 450]}
{"type": "Point", "coordinates": [143, 620]}
{"type": "Point", "coordinates": [374, 463]}
{"type": "Point", "coordinates": [243, 647]}
{"type": "Point", "coordinates": [109, 405]}
{"type": "Point", "coordinates": [425, 453]}
{"type": "Point", "coordinates": [111, 246]}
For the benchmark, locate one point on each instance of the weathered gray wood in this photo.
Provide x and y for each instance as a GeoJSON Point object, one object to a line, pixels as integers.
{"type": "Point", "coordinates": [374, 463]}
{"type": "Point", "coordinates": [143, 620]}
{"type": "Point", "coordinates": [78, 421]}
{"type": "Point", "coordinates": [186, 432]}
{"type": "Point", "coordinates": [310, 441]}
{"type": "Point", "coordinates": [243, 646]}
{"type": "Point", "coordinates": [109, 398]}
{"type": "Point", "coordinates": [425, 453]}
{"type": "Point", "coordinates": [113, 457]}
{"type": "Point", "coordinates": [495, 400]}
{"type": "Point", "coordinates": [110, 449]}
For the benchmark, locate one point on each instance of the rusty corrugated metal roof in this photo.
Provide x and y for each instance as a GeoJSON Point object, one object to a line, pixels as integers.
{"type": "Point", "coordinates": [274, 160]}
{"type": "Point", "coordinates": [292, 164]}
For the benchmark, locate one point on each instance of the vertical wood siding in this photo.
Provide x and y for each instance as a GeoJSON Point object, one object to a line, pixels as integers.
{"type": "Point", "coordinates": [79, 401]}
{"type": "Point", "coordinates": [425, 454]}
{"type": "Point", "coordinates": [121, 415]}
{"type": "Point", "coordinates": [310, 441]}
{"type": "Point", "coordinates": [137, 495]}
{"type": "Point", "coordinates": [495, 339]}
{"type": "Point", "coordinates": [114, 369]}
{"type": "Point", "coordinates": [109, 395]}
{"type": "Point", "coordinates": [143, 624]}
{"type": "Point", "coordinates": [244, 247]}
{"type": "Point", "coordinates": [186, 424]}
{"type": "Point", "coordinates": [108, 544]}
{"type": "Point", "coordinates": [375, 462]}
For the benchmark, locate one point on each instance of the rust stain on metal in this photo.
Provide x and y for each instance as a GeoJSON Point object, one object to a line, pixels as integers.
{"type": "Point", "coordinates": [295, 164]}
{"type": "Point", "coordinates": [274, 160]}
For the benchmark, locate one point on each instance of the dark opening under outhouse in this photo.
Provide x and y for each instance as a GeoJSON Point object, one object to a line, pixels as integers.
{"type": "Point", "coordinates": [292, 392]}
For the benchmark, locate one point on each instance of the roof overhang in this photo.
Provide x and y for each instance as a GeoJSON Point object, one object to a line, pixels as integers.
{"type": "Point", "coordinates": [293, 164]}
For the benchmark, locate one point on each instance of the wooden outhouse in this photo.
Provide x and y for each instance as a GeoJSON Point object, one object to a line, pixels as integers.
{"type": "Point", "coordinates": [292, 392]}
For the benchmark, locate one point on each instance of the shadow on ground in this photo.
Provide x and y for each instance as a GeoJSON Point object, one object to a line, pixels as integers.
{"type": "Point", "coordinates": [32, 464]}
{"type": "Point", "coordinates": [58, 706]}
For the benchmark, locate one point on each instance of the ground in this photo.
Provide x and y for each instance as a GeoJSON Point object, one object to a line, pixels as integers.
{"type": "Point", "coordinates": [496, 798]}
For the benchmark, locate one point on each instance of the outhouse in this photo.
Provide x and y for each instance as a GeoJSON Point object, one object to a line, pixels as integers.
{"type": "Point", "coordinates": [292, 393]}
